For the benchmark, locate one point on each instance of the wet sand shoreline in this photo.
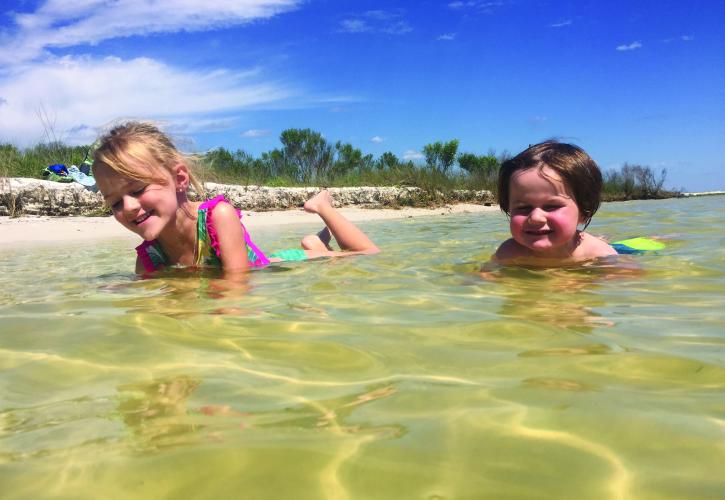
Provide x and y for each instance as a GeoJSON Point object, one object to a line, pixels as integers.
{"type": "Point", "coordinates": [41, 230]}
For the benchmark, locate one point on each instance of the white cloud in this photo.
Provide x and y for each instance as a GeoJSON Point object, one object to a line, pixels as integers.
{"type": "Point", "coordinates": [354, 26]}
{"type": "Point", "coordinates": [447, 37]}
{"type": "Point", "coordinates": [255, 133]}
{"type": "Point", "coordinates": [190, 126]}
{"type": "Point", "coordinates": [75, 95]}
{"type": "Point", "coordinates": [376, 21]}
{"type": "Point", "coordinates": [480, 5]}
{"type": "Point", "coordinates": [377, 139]}
{"type": "Point", "coordinates": [59, 23]}
{"type": "Point", "coordinates": [561, 24]}
{"type": "Point", "coordinates": [631, 46]}
{"type": "Point", "coordinates": [412, 154]}
{"type": "Point", "coordinates": [537, 119]}
{"type": "Point", "coordinates": [682, 38]}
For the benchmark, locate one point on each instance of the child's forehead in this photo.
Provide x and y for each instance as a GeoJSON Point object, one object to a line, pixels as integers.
{"type": "Point", "coordinates": [110, 182]}
{"type": "Point", "coordinates": [537, 180]}
{"type": "Point", "coordinates": [134, 169]}
{"type": "Point", "coordinates": [537, 175]}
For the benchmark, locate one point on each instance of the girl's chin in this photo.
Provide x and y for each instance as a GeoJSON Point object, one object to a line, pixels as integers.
{"type": "Point", "coordinates": [543, 245]}
{"type": "Point", "coordinates": [147, 231]}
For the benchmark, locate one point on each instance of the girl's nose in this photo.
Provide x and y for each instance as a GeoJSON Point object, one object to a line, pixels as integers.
{"type": "Point", "coordinates": [537, 215]}
{"type": "Point", "coordinates": [130, 204]}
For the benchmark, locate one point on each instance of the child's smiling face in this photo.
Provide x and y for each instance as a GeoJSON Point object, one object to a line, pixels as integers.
{"type": "Point", "coordinates": [143, 208]}
{"type": "Point", "coordinates": [544, 215]}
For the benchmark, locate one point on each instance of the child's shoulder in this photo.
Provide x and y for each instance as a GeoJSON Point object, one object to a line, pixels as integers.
{"type": "Point", "coordinates": [224, 209]}
{"type": "Point", "coordinates": [509, 250]}
{"type": "Point", "coordinates": [218, 208]}
{"type": "Point", "coordinates": [592, 247]}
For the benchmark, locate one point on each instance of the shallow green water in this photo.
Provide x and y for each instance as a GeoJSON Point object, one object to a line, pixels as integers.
{"type": "Point", "coordinates": [402, 375]}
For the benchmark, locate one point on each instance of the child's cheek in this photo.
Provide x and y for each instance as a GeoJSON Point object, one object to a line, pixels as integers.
{"type": "Point", "coordinates": [516, 222]}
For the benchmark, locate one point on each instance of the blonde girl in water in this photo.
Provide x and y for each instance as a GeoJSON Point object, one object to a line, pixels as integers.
{"type": "Point", "coordinates": [144, 180]}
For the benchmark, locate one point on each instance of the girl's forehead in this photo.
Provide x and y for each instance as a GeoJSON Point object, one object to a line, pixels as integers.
{"type": "Point", "coordinates": [538, 181]}
{"type": "Point", "coordinates": [111, 183]}
{"type": "Point", "coordinates": [537, 175]}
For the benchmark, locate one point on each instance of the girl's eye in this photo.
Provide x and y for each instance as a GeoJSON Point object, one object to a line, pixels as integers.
{"type": "Point", "coordinates": [551, 208]}
{"type": "Point", "coordinates": [522, 210]}
{"type": "Point", "coordinates": [116, 206]}
{"type": "Point", "coordinates": [139, 191]}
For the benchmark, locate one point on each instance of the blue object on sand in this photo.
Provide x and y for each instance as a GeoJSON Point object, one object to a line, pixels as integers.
{"type": "Point", "coordinates": [58, 169]}
{"type": "Point", "coordinates": [80, 177]}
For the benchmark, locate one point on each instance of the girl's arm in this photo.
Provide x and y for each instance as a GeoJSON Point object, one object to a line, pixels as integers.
{"type": "Point", "coordinates": [230, 236]}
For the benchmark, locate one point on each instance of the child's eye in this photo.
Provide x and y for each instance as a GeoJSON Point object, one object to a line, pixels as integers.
{"type": "Point", "coordinates": [139, 191]}
{"type": "Point", "coordinates": [522, 210]}
{"type": "Point", "coordinates": [117, 205]}
{"type": "Point", "coordinates": [551, 208]}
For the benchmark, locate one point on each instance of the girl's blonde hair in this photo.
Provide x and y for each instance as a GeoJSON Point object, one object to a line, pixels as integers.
{"type": "Point", "coordinates": [140, 151]}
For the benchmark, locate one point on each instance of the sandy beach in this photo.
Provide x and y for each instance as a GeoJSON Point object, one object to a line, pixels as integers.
{"type": "Point", "coordinates": [24, 231]}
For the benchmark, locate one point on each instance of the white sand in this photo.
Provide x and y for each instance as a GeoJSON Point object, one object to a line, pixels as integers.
{"type": "Point", "coordinates": [30, 230]}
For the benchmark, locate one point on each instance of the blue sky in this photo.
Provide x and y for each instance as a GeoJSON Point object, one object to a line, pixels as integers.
{"type": "Point", "coordinates": [639, 82]}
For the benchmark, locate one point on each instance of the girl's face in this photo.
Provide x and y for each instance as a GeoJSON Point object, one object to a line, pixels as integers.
{"type": "Point", "coordinates": [143, 208]}
{"type": "Point", "coordinates": [544, 215]}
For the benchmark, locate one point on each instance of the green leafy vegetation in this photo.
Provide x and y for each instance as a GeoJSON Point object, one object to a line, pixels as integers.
{"type": "Point", "coordinates": [635, 182]}
{"type": "Point", "coordinates": [307, 158]}
{"type": "Point", "coordinates": [31, 162]}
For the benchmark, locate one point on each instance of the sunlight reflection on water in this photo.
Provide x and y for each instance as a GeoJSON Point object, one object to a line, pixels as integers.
{"type": "Point", "coordinates": [399, 375]}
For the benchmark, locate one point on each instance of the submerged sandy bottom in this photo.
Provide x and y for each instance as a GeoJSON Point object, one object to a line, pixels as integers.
{"type": "Point", "coordinates": [399, 375]}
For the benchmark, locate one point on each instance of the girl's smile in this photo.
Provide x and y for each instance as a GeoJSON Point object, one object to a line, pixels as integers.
{"type": "Point", "coordinates": [544, 216]}
{"type": "Point", "coordinates": [143, 208]}
{"type": "Point", "coordinates": [143, 218]}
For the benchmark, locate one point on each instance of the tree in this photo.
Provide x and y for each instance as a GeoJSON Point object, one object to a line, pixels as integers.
{"type": "Point", "coordinates": [308, 151]}
{"type": "Point", "coordinates": [219, 160]}
{"type": "Point", "coordinates": [470, 163]}
{"type": "Point", "coordinates": [350, 158]}
{"type": "Point", "coordinates": [274, 164]}
{"type": "Point", "coordinates": [441, 155]}
{"type": "Point", "coordinates": [634, 181]}
{"type": "Point", "coordinates": [388, 161]}
{"type": "Point", "coordinates": [485, 166]}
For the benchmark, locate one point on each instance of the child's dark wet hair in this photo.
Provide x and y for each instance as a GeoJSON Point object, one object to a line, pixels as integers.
{"type": "Point", "coordinates": [579, 172]}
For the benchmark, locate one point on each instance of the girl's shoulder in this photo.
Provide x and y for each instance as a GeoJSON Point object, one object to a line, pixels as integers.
{"type": "Point", "coordinates": [508, 250]}
{"type": "Point", "coordinates": [592, 247]}
{"type": "Point", "coordinates": [218, 210]}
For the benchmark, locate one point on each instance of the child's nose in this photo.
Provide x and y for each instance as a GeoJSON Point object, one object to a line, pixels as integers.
{"type": "Point", "coordinates": [130, 204]}
{"type": "Point", "coordinates": [537, 215]}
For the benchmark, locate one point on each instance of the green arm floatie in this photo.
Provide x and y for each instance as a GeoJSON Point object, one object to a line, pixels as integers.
{"type": "Point", "coordinates": [637, 245]}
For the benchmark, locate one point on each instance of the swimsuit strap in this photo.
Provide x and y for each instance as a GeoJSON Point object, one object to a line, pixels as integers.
{"type": "Point", "coordinates": [151, 256]}
{"type": "Point", "coordinates": [256, 256]}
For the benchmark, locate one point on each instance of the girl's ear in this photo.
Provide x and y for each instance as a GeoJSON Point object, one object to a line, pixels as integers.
{"type": "Point", "coordinates": [584, 219]}
{"type": "Point", "coordinates": [180, 173]}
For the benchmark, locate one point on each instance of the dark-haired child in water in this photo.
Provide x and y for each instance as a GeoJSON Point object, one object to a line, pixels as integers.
{"type": "Point", "coordinates": [548, 191]}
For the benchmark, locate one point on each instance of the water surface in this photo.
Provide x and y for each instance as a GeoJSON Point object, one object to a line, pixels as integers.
{"type": "Point", "coordinates": [401, 375]}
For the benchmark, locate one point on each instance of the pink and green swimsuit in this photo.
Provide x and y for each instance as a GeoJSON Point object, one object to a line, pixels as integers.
{"type": "Point", "coordinates": [207, 252]}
